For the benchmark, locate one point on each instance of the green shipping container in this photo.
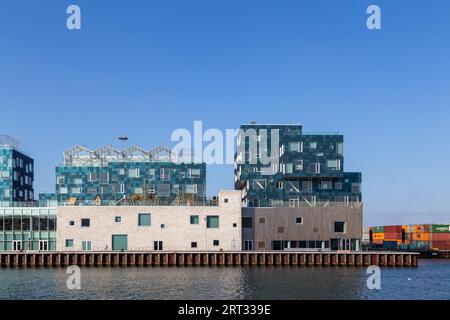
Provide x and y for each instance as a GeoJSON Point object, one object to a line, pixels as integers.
{"type": "Point", "coordinates": [378, 229]}
{"type": "Point", "coordinates": [440, 228]}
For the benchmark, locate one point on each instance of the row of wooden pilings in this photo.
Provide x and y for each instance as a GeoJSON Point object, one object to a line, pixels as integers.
{"type": "Point", "coordinates": [123, 259]}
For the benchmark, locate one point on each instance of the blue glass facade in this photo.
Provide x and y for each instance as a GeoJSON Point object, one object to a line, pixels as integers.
{"type": "Point", "coordinates": [114, 179]}
{"type": "Point", "coordinates": [309, 168]}
{"type": "Point", "coordinates": [16, 176]}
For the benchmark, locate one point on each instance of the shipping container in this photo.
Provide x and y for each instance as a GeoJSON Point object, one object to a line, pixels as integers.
{"type": "Point", "coordinates": [440, 228]}
{"type": "Point", "coordinates": [377, 229]}
{"type": "Point", "coordinates": [440, 245]}
{"type": "Point", "coordinates": [392, 236]}
{"type": "Point", "coordinates": [421, 236]}
{"type": "Point", "coordinates": [440, 236]}
{"type": "Point", "coordinates": [378, 236]}
{"type": "Point", "coordinates": [390, 244]}
{"type": "Point", "coordinates": [393, 229]}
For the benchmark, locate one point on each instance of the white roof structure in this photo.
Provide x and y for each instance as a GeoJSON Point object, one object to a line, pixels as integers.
{"type": "Point", "coordinates": [82, 156]}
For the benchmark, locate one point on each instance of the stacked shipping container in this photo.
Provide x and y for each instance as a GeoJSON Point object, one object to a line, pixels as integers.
{"type": "Point", "coordinates": [413, 237]}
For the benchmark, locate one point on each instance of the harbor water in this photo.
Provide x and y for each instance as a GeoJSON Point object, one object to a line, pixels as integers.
{"type": "Point", "coordinates": [431, 280]}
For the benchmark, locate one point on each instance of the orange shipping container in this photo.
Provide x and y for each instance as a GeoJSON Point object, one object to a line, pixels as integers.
{"type": "Point", "coordinates": [378, 236]}
{"type": "Point", "coordinates": [421, 237]}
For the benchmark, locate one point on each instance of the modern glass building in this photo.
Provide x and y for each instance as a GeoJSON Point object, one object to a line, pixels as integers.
{"type": "Point", "coordinates": [306, 168]}
{"type": "Point", "coordinates": [113, 177]}
{"type": "Point", "coordinates": [16, 174]}
{"type": "Point", "coordinates": [27, 229]}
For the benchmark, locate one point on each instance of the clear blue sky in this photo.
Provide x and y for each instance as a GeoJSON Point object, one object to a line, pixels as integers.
{"type": "Point", "coordinates": [145, 68]}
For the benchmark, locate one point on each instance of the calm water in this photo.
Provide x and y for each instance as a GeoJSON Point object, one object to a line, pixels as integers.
{"type": "Point", "coordinates": [431, 280]}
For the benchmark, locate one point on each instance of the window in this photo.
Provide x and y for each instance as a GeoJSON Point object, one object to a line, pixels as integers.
{"type": "Point", "coordinates": [104, 178]}
{"type": "Point", "coordinates": [92, 176]}
{"type": "Point", "coordinates": [118, 219]}
{"type": "Point", "coordinates": [151, 174]}
{"type": "Point", "coordinates": [288, 168]}
{"type": "Point", "coordinates": [293, 186]}
{"type": "Point", "coordinates": [259, 184]}
{"type": "Point", "coordinates": [338, 186]}
{"type": "Point", "coordinates": [163, 189]}
{"type": "Point", "coordinates": [69, 243]}
{"type": "Point", "coordinates": [165, 174]}
{"type": "Point", "coordinates": [340, 148]}
{"type": "Point", "coordinates": [75, 190]}
{"type": "Point", "coordinates": [234, 225]}
{"type": "Point", "coordinates": [190, 188]}
{"type": "Point", "coordinates": [121, 172]}
{"type": "Point", "coordinates": [157, 245]}
{"type": "Point", "coordinates": [261, 245]}
{"type": "Point", "coordinates": [60, 180]}
{"type": "Point", "coordinates": [225, 200]}
{"type": "Point", "coordinates": [248, 244]}
{"type": "Point", "coordinates": [295, 146]}
{"type": "Point", "coordinates": [86, 245]}
{"type": "Point", "coordinates": [193, 245]}
{"type": "Point", "coordinates": [334, 165]}
{"type": "Point", "coordinates": [144, 219]}
{"type": "Point", "coordinates": [163, 226]}
{"type": "Point", "coordinates": [212, 221]}
{"type": "Point", "coordinates": [356, 187]}
{"type": "Point", "coordinates": [85, 222]}
{"type": "Point", "coordinates": [325, 185]}
{"type": "Point", "coordinates": [262, 220]}
{"type": "Point", "coordinates": [299, 220]}
{"type": "Point", "coordinates": [298, 165]}
{"type": "Point", "coordinates": [71, 223]}
{"type": "Point", "coordinates": [194, 173]}
{"type": "Point", "coordinates": [307, 186]}
{"type": "Point", "coordinates": [195, 220]}
{"type": "Point", "coordinates": [340, 227]}
{"type": "Point", "coordinates": [280, 229]}
{"type": "Point", "coordinates": [314, 168]}
{"type": "Point", "coordinates": [5, 174]}
{"type": "Point", "coordinates": [247, 222]}
{"type": "Point", "coordinates": [63, 190]}
{"type": "Point", "coordinates": [313, 145]}
{"type": "Point", "coordinates": [77, 181]}
{"type": "Point", "coordinates": [279, 185]}
{"type": "Point", "coordinates": [215, 243]}
{"type": "Point", "coordinates": [133, 173]}
{"type": "Point", "coordinates": [118, 188]}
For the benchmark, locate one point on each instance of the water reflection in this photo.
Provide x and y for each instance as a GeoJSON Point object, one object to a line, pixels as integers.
{"type": "Point", "coordinates": [430, 281]}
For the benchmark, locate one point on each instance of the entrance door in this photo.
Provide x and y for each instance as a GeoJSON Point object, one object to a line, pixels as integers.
{"type": "Point", "coordinates": [43, 245]}
{"type": "Point", "coordinates": [17, 245]}
{"type": "Point", "coordinates": [120, 242]}
{"type": "Point", "coordinates": [335, 244]}
{"type": "Point", "coordinates": [248, 245]}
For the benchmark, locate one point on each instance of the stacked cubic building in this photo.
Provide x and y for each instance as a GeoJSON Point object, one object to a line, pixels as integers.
{"type": "Point", "coordinates": [296, 194]}
{"type": "Point", "coordinates": [16, 173]}
{"type": "Point", "coordinates": [308, 168]}
{"type": "Point", "coordinates": [110, 176]}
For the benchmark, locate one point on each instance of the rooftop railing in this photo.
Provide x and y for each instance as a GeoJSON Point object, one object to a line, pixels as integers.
{"type": "Point", "coordinates": [19, 204]}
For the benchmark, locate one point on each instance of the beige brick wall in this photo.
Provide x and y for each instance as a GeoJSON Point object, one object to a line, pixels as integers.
{"type": "Point", "coordinates": [177, 234]}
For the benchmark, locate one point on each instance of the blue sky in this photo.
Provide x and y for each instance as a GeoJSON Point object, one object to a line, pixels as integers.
{"type": "Point", "coordinates": [145, 68]}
